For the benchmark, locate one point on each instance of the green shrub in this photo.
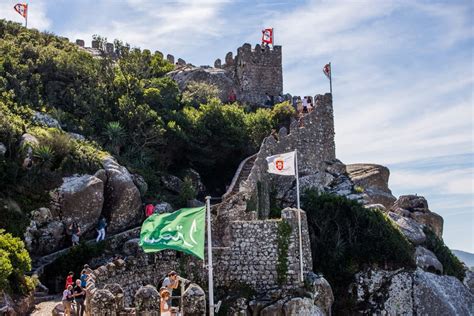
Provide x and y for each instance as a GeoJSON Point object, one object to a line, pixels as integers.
{"type": "Point", "coordinates": [346, 237]}
{"type": "Point", "coordinates": [451, 264]}
{"type": "Point", "coordinates": [187, 192]}
{"type": "Point", "coordinates": [14, 263]}
{"type": "Point", "coordinates": [282, 114]}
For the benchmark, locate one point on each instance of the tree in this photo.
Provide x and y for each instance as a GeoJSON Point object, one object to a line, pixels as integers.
{"type": "Point", "coordinates": [114, 135]}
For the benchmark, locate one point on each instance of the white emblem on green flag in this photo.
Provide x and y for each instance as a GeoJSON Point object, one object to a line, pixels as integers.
{"type": "Point", "coordinates": [183, 230]}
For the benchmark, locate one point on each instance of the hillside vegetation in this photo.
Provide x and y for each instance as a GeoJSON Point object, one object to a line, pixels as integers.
{"type": "Point", "coordinates": [126, 106]}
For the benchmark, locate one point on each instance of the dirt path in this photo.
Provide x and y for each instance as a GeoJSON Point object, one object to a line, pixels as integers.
{"type": "Point", "coordinates": [45, 308]}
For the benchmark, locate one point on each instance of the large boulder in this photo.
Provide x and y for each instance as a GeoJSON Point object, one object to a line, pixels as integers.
{"type": "Point", "coordinates": [213, 76]}
{"type": "Point", "coordinates": [303, 306]}
{"type": "Point", "coordinates": [319, 287]}
{"type": "Point", "coordinates": [122, 198]}
{"type": "Point", "coordinates": [80, 199]}
{"type": "Point", "coordinates": [44, 234]}
{"type": "Point", "coordinates": [373, 179]}
{"type": "Point", "coordinates": [411, 229]}
{"type": "Point", "coordinates": [416, 207]}
{"type": "Point", "coordinates": [427, 260]}
{"type": "Point", "coordinates": [417, 292]}
{"type": "Point", "coordinates": [172, 183]}
{"type": "Point", "coordinates": [45, 120]}
{"type": "Point", "coordinates": [194, 300]}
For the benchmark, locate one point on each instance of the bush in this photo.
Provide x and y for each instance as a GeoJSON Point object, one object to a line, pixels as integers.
{"type": "Point", "coordinates": [451, 264]}
{"type": "Point", "coordinates": [346, 237]}
{"type": "Point", "coordinates": [187, 192]}
{"type": "Point", "coordinates": [282, 114]}
{"type": "Point", "coordinates": [14, 263]}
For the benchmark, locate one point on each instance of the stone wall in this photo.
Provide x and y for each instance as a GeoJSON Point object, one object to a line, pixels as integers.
{"type": "Point", "coordinates": [252, 258]}
{"type": "Point", "coordinates": [313, 138]}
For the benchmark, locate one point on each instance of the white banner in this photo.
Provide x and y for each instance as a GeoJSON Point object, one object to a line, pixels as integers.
{"type": "Point", "coordinates": [282, 164]}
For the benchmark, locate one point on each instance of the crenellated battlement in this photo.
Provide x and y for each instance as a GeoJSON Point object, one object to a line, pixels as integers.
{"type": "Point", "coordinates": [259, 55]}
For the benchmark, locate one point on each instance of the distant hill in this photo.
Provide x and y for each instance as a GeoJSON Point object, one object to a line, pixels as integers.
{"type": "Point", "coordinates": [466, 257]}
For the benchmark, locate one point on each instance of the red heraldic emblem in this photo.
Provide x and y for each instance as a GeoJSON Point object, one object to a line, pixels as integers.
{"type": "Point", "coordinates": [22, 9]}
{"type": "Point", "coordinates": [267, 36]}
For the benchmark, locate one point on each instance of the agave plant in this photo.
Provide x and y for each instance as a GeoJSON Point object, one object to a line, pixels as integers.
{"type": "Point", "coordinates": [44, 155]}
{"type": "Point", "coordinates": [114, 135]}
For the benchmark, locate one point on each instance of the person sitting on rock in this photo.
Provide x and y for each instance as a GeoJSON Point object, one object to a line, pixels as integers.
{"type": "Point", "coordinates": [101, 229]}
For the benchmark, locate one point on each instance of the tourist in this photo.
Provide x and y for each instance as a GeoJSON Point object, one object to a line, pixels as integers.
{"type": "Point", "coordinates": [280, 98]}
{"type": "Point", "coordinates": [149, 208]}
{"type": "Point", "coordinates": [171, 281]}
{"type": "Point", "coordinates": [268, 100]}
{"type": "Point", "coordinates": [84, 276]}
{"type": "Point", "coordinates": [232, 96]}
{"type": "Point", "coordinates": [165, 306]}
{"type": "Point", "coordinates": [310, 104]}
{"type": "Point", "coordinates": [75, 232]}
{"type": "Point", "coordinates": [79, 297]}
{"type": "Point", "coordinates": [299, 105]}
{"type": "Point", "coordinates": [69, 279]}
{"type": "Point", "coordinates": [67, 300]}
{"type": "Point", "coordinates": [101, 229]}
{"type": "Point", "coordinates": [305, 105]}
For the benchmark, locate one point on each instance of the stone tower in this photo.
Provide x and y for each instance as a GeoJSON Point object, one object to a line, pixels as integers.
{"type": "Point", "coordinates": [256, 72]}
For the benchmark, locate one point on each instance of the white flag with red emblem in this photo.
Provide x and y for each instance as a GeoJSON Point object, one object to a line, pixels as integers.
{"type": "Point", "coordinates": [327, 70]}
{"type": "Point", "coordinates": [267, 36]}
{"type": "Point", "coordinates": [22, 9]}
{"type": "Point", "coordinates": [282, 164]}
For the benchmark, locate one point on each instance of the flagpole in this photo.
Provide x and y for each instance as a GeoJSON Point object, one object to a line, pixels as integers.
{"type": "Point", "coordinates": [299, 214]}
{"type": "Point", "coordinates": [330, 78]}
{"type": "Point", "coordinates": [209, 257]}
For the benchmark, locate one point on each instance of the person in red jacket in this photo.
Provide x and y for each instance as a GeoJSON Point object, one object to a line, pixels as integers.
{"type": "Point", "coordinates": [149, 210]}
{"type": "Point", "coordinates": [69, 279]}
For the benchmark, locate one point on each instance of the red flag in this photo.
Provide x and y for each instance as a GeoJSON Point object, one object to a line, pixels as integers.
{"type": "Point", "coordinates": [327, 70]}
{"type": "Point", "coordinates": [267, 36]}
{"type": "Point", "coordinates": [22, 9]}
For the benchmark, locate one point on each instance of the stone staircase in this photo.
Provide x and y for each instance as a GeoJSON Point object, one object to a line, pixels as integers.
{"type": "Point", "coordinates": [242, 173]}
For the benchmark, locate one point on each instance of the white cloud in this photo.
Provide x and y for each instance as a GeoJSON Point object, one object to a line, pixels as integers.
{"type": "Point", "coordinates": [36, 14]}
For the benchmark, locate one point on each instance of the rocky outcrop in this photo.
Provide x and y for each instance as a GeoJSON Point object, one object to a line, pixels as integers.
{"type": "Point", "coordinates": [373, 180]}
{"type": "Point", "coordinates": [17, 306]}
{"type": "Point", "coordinates": [79, 199]}
{"type": "Point", "coordinates": [293, 306]}
{"type": "Point", "coordinates": [469, 280]}
{"type": "Point", "coordinates": [45, 120]}
{"type": "Point", "coordinates": [412, 230]}
{"type": "Point", "coordinates": [214, 76]}
{"type": "Point", "coordinates": [122, 197]}
{"type": "Point", "coordinates": [103, 303]}
{"type": "Point", "coordinates": [416, 207]}
{"type": "Point", "coordinates": [417, 292]}
{"type": "Point", "coordinates": [44, 234]}
{"type": "Point", "coordinates": [427, 260]}
{"type": "Point", "coordinates": [320, 289]}
{"type": "Point", "coordinates": [163, 207]}
{"type": "Point", "coordinates": [172, 183]}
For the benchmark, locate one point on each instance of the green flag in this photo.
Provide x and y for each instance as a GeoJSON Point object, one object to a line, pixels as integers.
{"type": "Point", "coordinates": [183, 230]}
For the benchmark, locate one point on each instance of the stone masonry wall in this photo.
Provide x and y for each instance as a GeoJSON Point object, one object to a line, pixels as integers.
{"type": "Point", "coordinates": [256, 72]}
{"type": "Point", "coordinates": [251, 258]}
{"type": "Point", "coordinates": [312, 137]}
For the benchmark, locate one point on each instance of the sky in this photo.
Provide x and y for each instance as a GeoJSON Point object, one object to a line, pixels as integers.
{"type": "Point", "coordinates": [402, 74]}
